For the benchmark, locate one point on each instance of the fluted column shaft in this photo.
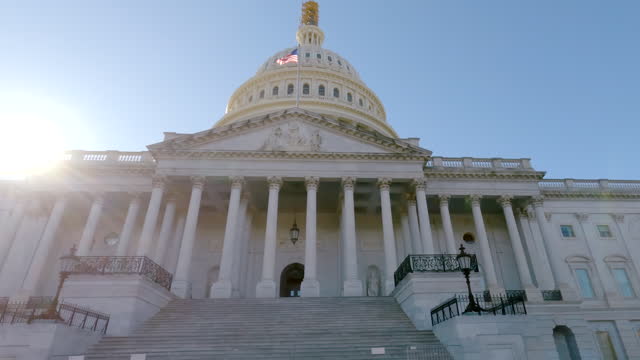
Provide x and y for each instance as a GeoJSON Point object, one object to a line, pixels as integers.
{"type": "Point", "coordinates": [151, 218]}
{"type": "Point", "coordinates": [129, 223]}
{"type": "Point", "coordinates": [181, 284]}
{"type": "Point", "coordinates": [516, 243]}
{"type": "Point", "coordinates": [414, 227]}
{"type": "Point", "coordinates": [352, 285]}
{"type": "Point", "coordinates": [485, 250]}
{"type": "Point", "coordinates": [310, 285]}
{"type": "Point", "coordinates": [44, 247]}
{"type": "Point", "coordinates": [238, 250]}
{"type": "Point", "coordinates": [267, 286]}
{"type": "Point", "coordinates": [89, 232]}
{"type": "Point", "coordinates": [446, 225]}
{"type": "Point", "coordinates": [423, 215]}
{"type": "Point", "coordinates": [406, 236]}
{"type": "Point", "coordinates": [165, 229]}
{"type": "Point", "coordinates": [389, 240]}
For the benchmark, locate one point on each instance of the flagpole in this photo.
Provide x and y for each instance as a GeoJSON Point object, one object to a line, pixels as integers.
{"type": "Point", "coordinates": [298, 78]}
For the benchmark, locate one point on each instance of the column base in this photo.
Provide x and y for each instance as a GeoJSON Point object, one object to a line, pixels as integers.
{"type": "Point", "coordinates": [310, 288]}
{"type": "Point", "coordinates": [352, 288]}
{"type": "Point", "coordinates": [266, 289]}
{"type": "Point", "coordinates": [389, 285]}
{"type": "Point", "coordinates": [221, 290]}
{"type": "Point", "coordinates": [181, 288]}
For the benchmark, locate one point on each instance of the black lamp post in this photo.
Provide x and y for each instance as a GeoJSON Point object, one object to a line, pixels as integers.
{"type": "Point", "coordinates": [464, 261]}
{"type": "Point", "coordinates": [67, 264]}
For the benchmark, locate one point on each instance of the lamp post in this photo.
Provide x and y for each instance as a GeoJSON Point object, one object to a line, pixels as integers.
{"type": "Point", "coordinates": [294, 232]}
{"type": "Point", "coordinates": [67, 264]}
{"type": "Point", "coordinates": [464, 261]}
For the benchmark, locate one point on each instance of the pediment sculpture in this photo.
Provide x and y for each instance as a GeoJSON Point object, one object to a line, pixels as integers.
{"type": "Point", "coordinates": [293, 136]}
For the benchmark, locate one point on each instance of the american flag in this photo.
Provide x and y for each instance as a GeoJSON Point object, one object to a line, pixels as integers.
{"type": "Point", "coordinates": [291, 57]}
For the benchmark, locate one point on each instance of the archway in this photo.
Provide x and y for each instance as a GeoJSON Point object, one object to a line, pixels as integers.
{"type": "Point", "coordinates": [565, 343]}
{"type": "Point", "coordinates": [290, 280]}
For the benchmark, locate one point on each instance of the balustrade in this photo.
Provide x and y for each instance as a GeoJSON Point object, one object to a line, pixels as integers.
{"type": "Point", "coordinates": [102, 265]}
{"type": "Point", "coordinates": [479, 163]}
{"type": "Point", "coordinates": [108, 157]}
{"type": "Point", "coordinates": [573, 185]}
{"type": "Point", "coordinates": [430, 263]}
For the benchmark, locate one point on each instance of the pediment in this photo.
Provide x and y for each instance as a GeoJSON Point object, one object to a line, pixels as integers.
{"type": "Point", "coordinates": [290, 131]}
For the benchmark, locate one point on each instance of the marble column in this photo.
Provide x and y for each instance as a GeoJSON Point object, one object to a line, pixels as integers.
{"type": "Point", "coordinates": [89, 232]}
{"type": "Point", "coordinates": [414, 226]}
{"type": "Point", "coordinates": [543, 272]}
{"type": "Point", "coordinates": [267, 285]}
{"type": "Point", "coordinates": [406, 236]}
{"type": "Point", "coordinates": [181, 285]}
{"type": "Point", "coordinates": [352, 285]}
{"type": "Point", "coordinates": [389, 240]}
{"type": "Point", "coordinates": [165, 229]}
{"type": "Point", "coordinates": [310, 286]}
{"type": "Point", "coordinates": [223, 287]}
{"type": "Point", "coordinates": [533, 294]}
{"type": "Point", "coordinates": [239, 243]}
{"type": "Point", "coordinates": [44, 248]}
{"type": "Point", "coordinates": [11, 225]}
{"type": "Point", "coordinates": [446, 225]}
{"type": "Point", "coordinates": [423, 216]}
{"type": "Point", "coordinates": [559, 268]}
{"type": "Point", "coordinates": [485, 251]}
{"type": "Point", "coordinates": [129, 223]}
{"type": "Point", "coordinates": [172, 262]}
{"type": "Point", "coordinates": [151, 218]}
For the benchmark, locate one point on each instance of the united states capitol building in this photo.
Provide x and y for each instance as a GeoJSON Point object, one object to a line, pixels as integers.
{"type": "Point", "coordinates": [302, 226]}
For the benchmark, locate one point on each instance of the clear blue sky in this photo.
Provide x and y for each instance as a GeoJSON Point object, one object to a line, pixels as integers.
{"type": "Point", "coordinates": [556, 81]}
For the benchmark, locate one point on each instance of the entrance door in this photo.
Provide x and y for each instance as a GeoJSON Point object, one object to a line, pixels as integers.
{"type": "Point", "coordinates": [290, 280]}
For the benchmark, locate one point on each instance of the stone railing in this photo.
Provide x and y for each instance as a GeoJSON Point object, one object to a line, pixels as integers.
{"type": "Point", "coordinates": [594, 186]}
{"type": "Point", "coordinates": [438, 162]}
{"type": "Point", "coordinates": [110, 265]}
{"type": "Point", "coordinates": [430, 263]}
{"type": "Point", "coordinates": [108, 157]}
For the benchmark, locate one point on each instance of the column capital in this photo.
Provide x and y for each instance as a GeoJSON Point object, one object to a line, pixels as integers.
{"type": "Point", "coordinates": [384, 183]}
{"type": "Point", "coordinates": [411, 199]}
{"type": "Point", "coordinates": [521, 213]}
{"type": "Point", "coordinates": [530, 213]}
{"type": "Point", "coordinates": [311, 182]}
{"type": "Point", "coordinates": [475, 199]}
{"type": "Point", "coordinates": [505, 200]}
{"type": "Point", "coordinates": [245, 196]}
{"type": "Point", "coordinates": [236, 182]}
{"type": "Point", "coordinates": [419, 184]}
{"type": "Point", "coordinates": [171, 196]}
{"type": "Point", "coordinates": [619, 218]}
{"type": "Point", "coordinates": [198, 182]}
{"type": "Point", "coordinates": [348, 182]}
{"type": "Point", "coordinates": [275, 182]}
{"type": "Point", "coordinates": [444, 199]}
{"type": "Point", "coordinates": [582, 217]}
{"type": "Point", "coordinates": [537, 201]}
{"type": "Point", "coordinates": [158, 181]}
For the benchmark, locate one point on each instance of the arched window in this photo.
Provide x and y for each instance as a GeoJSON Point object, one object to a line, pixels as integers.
{"type": "Point", "coordinates": [329, 58]}
{"type": "Point", "coordinates": [251, 98]}
{"type": "Point", "coordinates": [274, 92]}
{"type": "Point", "coordinates": [336, 92]}
{"type": "Point", "coordinates": [360, 102]}
{"type": "Point", "coordinates": [339, 62]}
{"type": "Point", "coordinates": [349, 97]}
{"type": "Point", "coordinates": [289, 89]}
{"type": "Point", "coordinates": [565, 343]}
{"type": "Point", "coordinates": [321, 90]}
{"type": "Point", "coordinates": [305, 89]}
{"type": "Point", "coordinates": [319, 56]}
{"type": "Point", "coordinates": [261, 94]}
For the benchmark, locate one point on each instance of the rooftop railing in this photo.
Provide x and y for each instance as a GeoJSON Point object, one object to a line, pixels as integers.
{"type": "Point", "coordinates": [430, 263]}
{"type": "Point", "coordinates": [595, 186]}
{"type": "Point", "coordinates": [438, 162]}
{"type": "Point", "coordinates": [108, 157]}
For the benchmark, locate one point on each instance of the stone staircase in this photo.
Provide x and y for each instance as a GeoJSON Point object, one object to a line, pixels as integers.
{"type": "Point", "coordinates": [345, 328]}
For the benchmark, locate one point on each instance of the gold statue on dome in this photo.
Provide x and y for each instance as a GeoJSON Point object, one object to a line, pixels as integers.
{"type": "Point", "coordinates": [310, 13]}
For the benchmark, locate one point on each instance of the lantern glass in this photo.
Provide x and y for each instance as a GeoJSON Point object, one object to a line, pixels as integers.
{"type": "Point", "coordinates": [294, 233]}
{"type": "Point", "coordinates": [464, 260]}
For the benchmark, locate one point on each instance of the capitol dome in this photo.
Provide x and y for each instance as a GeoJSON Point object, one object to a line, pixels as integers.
{"type": "Point", "coordinates": [322, 81]}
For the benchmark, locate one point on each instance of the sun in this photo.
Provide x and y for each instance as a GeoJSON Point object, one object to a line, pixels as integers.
{"type": "Point", "coordinates": [32, 139]}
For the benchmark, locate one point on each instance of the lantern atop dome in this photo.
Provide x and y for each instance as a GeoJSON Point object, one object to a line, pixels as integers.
{"type": "Point", "coordinates": [309, 33]}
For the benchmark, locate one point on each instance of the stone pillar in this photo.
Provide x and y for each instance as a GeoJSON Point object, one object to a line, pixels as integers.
{"type": "Point", "coordinates": [485, 250]}
{"type": "Point", "coordinates": [310, 286]}
{"type": "Point", "coordinates": [267, 285]}
{"type": "Point", "coordinates": [389, 240]}
{"type": "Point", "coordinates": [352, 285]}
{"type": "Point", "coordinates": [423, 215]}
{"type": "Point", "coordinates": [151, 218]}
{"type": "Point", "coordinates": [406, 236]}
{"type": "Point", "coordinates": [89, 232]}
{"type": "Point", "coordinates": [172, 262]}
{"type": "Point", "coordinates": [129, 224]}
{"type": "Point", "coordinates": [181, 285]}
{"type": "Point", "coordinates": [518, 250]}
{"type": "Point", "coordinates": [9, 229]}
{"type": "Point", "coordinates": [44, 248]}
{"type": "Point", "coordinates": [239, 248]}
{"type": "Point", "coordinates": [223, 287]}
{"type": "Point", "coordinates": [559, 268]}
{"type": "Point", "coordinates": [446, 225]}
{"type": "Point", "coordinates": [414, 227]}
{"type": "Point", "coordinates": [544, 276]}
{"type": "Point", "coordinates": [165, 229]}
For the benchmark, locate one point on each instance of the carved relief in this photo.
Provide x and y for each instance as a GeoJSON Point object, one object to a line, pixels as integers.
{"type": "Point", "coordinates": [293, 136]}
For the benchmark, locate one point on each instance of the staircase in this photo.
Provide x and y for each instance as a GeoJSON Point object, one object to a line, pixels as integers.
{"type": "Point", "coordinates": [344, 328]}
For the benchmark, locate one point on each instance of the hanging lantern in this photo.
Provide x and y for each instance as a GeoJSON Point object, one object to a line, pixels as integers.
{"type": "Point", "coordinates": [294, 232]}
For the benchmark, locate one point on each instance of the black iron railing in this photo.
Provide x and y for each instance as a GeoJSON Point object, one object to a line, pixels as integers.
{"type": "Point", "coordinates": [70, 314]}
{"type": "Point", "coordinates": [142, 265]}
{"type": "Point", "coordinates": [490, 305]}
{"type": "Point", "coordinates": [551, 295]}
{"type": "Point", "coordinates": [430, 263]}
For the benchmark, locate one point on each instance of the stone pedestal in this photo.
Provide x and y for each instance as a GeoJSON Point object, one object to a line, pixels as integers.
{"type": "Point", "coordinates": [310, 288]}
{"type": "Point", "coordinates": [221, 290]}
{"type": "Point", "coordinates": [352, 288]}
{"type": "Point", "coordinates": [266, 289]}
{"type": "Point", "coordinates": [128, 299]}
{"type": "Point", "coordinates": [181, 288]}
{"type": "Point", "coordinates": [44, 341]}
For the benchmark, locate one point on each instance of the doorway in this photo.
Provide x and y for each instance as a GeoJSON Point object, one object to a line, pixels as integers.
{"type": "Point", "coordinates": [291, 279]}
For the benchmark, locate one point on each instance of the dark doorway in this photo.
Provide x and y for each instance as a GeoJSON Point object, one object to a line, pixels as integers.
{"type": "Point", "coordinates": [290, 280]}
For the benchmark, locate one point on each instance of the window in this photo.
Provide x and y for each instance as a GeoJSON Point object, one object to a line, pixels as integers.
{"type": "Point", "coordinates": [624, 285]}
{"type": "Point", "coordinates": [329, 58]}
{"type": "Point", "coordinates": [289, 89]}
{"type": "Point", "coordinates": [319, 56]}
{"type": "Point", "coordinates": [584, 282]}
{"type": "Point", "coordinates": [305, 89]}
{"type": "Point", "coordinates": [349, 97]}
{"type": "Point", "coordinates": [604, 231]}
{"type": "Point", "coordinates": [339, 62]}
{"type": "Point", "coordinates": [251, 98]}
{"type": "Point", "coordinates": [468, 237]}
{"type": "Point", "coordinates": [336, 92]}
{"type": "Point", "coordinates": [307, 55]}
{"type": "Point", "coordinates": [360, 102]}
{"type": "Point", "coordinates": [567, 231]}
{"type": "Point", "coordinates": [261, 94]}
{"type": "Point", "coordinates": [321, 90]}
{"type": "Point", "coordinates": [274, 92]}
{"type": "Point", "coordinates": [606, 346]}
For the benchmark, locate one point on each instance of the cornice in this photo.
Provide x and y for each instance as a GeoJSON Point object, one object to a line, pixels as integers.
{"type": "Point", "coordinates": [484, 175]}
{"type": "Point", "coordinates": [258, 155]}
{"type": "Point", "coordinates": [590, 196]}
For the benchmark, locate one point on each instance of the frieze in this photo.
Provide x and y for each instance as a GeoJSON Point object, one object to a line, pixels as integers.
{"type": "Point", "coordinates": [293, 136]}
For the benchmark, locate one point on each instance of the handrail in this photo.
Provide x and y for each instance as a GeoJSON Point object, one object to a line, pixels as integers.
{"type": "Point", "coordinates": [430, 263]}
{"type": "Point", "coordinates": [142, 265]}
{"type": "Point", "coordinates": [507, 304]}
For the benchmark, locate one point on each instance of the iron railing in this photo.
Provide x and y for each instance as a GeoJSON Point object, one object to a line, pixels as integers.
{"type": "Point", "coordinates": [551, 295]}
{"type": "Point", "coordinates": [430, 263]}
{"type": "Point", "coordinates": [490, 305]}
{"type": "Point", "coordinates": [71, 315]}
{"type": "Point", "coordinates": [99, 265]}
